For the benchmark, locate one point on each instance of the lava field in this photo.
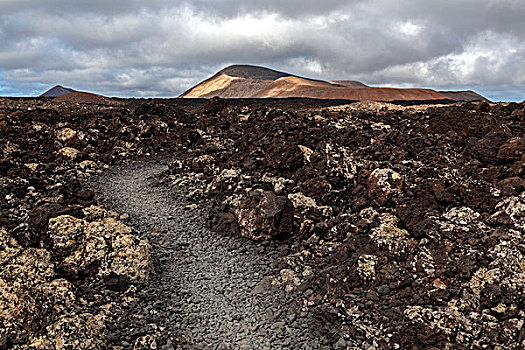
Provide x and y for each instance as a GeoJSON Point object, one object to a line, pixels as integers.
{"type": "Point", "coordinates": [404, 226]}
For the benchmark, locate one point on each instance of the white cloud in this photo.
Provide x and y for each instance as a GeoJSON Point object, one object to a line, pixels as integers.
{"type": "Point", "coordinates": [410, 29]}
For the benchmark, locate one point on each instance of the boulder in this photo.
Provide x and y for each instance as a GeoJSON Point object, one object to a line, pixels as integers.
{"type": "Point", "coordinates": [99, 247]}
{"type": "Point", "coordinates": [512, 186]}
{"type": "Point", "coordinates": [24, 274]}
{"type": "Point", "coordinates": [265, 215]}
{"type": "Point", "coordinates": [69, 153]}
{"type": "Point", "coordinates": [384, 184]}
{"type": "Point", "coordinates": [388, 235]}
{"type": "Point", "coordinates": [72, 331]}
{"type": "Point", "coordinates": [39, 218]}
{"type": "Point", "coordinates": [283, 156]}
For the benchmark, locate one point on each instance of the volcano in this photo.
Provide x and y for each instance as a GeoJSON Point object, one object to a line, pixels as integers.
{"type": "Point", "coordinates": [246, 81]}
{"type": "Point", "coordinates": [57, 91]}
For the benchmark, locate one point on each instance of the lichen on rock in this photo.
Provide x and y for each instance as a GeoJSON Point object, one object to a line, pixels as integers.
{"type": "Point", "coordinates": [390, 236]}
{"type": "Point", "coordinates": [104, 242]}
{"type": "Point", "coordinates": [74, 331]}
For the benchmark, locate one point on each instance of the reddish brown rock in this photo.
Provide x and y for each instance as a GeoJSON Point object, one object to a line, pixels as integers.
{"type": "Point", "coordinates": [265, 215]}
{"type": "Point", "coordinates": [383, 184]}
{"type": "Point", "coordinates": [513, 149]}
{"type": "Point", "coordinates": [512, 186]}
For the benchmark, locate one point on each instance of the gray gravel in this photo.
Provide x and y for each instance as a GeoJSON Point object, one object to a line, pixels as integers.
{"type": "Point", "coordinates": [213, 292]}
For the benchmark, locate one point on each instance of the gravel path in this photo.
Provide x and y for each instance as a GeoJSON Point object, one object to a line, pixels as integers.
{"type": "Point", "coordinates": [213, 291]}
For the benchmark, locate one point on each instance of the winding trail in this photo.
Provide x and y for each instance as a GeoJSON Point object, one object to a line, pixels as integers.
{"type": "Point", "coordinates": [212, 291]}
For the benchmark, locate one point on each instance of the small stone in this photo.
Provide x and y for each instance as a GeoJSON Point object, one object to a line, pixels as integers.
{"type": "Point", "coordinates": [384, 289]}
{"type": "Point", "coordinates": [191, 207]}
{"type": "Point", "coordinates": [341, 344]}
{"type": "Point", "coordinates": [117, 283]}
{"type": "Point", "coordinates": [5, 343]}
{"type": "Point", "coordinates": [439, 284]}
{"type": "Point", "coordinates": [277, 325]}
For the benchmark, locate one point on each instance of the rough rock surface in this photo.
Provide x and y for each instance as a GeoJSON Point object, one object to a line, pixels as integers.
{"type": "Point", "coordinates": [265, 215]}
{"type": "Point", "coordinates": [407, 230]}
{"type": "Point", "coordinates": [410, 220]}
{"type": "Point", "coordinates": [103, 246]}
{"type": "Point", "coordinates": [37, 285]}
{"type": "Point", "coordinates": [66, 264]}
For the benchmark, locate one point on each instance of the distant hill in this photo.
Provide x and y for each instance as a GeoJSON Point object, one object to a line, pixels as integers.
{"type": "Point", "coordinates": [83, 97]}
{"type": "Point", "coordinates": [64, 94]}
{"type": "Point", "coordinates": [245, 81]}
{"type": "Point", "coordinates": [57, 91]}
{"type": "Point", "coordinates": [464, 95]}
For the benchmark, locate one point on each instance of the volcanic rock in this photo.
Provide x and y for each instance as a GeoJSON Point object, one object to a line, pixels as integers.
{"type": "Point", "coordinates": [65, 134]}
{"type": "Point", "coordinates": [117, 283]}
{"type": "Point", "coordinates": [39, 218]}
{"type": "Point", "coordinates": [101, 247]}
{"type": "Point", "coordinates": [513, 149]}
{"type": "Point", "coordinates": [407, 229]}
{"type": "Point", "coordinates": [71, 331]}
{"type": "Point", "coordinates": [512, 186]}
{"type": "Point", "coordinates": [265, 215]}
{"type": "Point", "coordinates": [69, 152]}
{"type": "Point", "coordinates": [383, 184]}
{"type": "Point", "coordinates": [5, 343]}
{"type": "Point", "coordinates": [224, 222]}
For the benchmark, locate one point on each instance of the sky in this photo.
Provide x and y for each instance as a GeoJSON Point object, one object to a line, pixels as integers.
{"type": "Point", "coordinates": [160, 48]}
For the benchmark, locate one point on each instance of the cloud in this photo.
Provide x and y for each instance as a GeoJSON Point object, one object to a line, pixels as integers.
{"type": "Point", "coordinates": [161, 48]}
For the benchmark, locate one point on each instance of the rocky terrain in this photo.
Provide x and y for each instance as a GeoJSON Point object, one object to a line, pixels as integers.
{"type": "Point", "coordinates": [360, 226]}
{"type": "Point", "coordinates": [245, 81]}
{"type": "Point", "coordinates": [410, 219]}
{"type": "Point", "coordinates": [67, 265]}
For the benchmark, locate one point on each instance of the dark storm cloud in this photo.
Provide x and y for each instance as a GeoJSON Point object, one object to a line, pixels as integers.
{"type": "Point", "coordinates": [160, 48]}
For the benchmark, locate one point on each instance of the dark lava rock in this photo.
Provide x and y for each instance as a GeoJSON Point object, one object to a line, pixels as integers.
{"type": "Point", "coordinates": [5, 165]}
{"type": "Point", "coordinates": [215, 105]}
{"type": "Point", "coordinates": [283, 155]}
{"type": "Point", "coordinates": [117, 283]}
{"type": "Point", "coordinates": [39, 218]}
{"type": "Point", "coordinates": [513, 149]}
{"type": "Point", "coordinates": [223, 222]}
{"type": "Point", "coordinates": [490, 296]}
{"type": "Point", "coordinates": [5, 343]}
{"type": "Point", "coordinates": [265, 215]}
{"type": "Point", "coordinates": [383, 184]}
{"type": "Point", "coordinates": [417, 210]}
{"type": "Point", "coordinates": [512, 186]}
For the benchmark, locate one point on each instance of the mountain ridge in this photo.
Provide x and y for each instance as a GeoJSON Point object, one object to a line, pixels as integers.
{"type": "Point", "coordinates": [248, 81]}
